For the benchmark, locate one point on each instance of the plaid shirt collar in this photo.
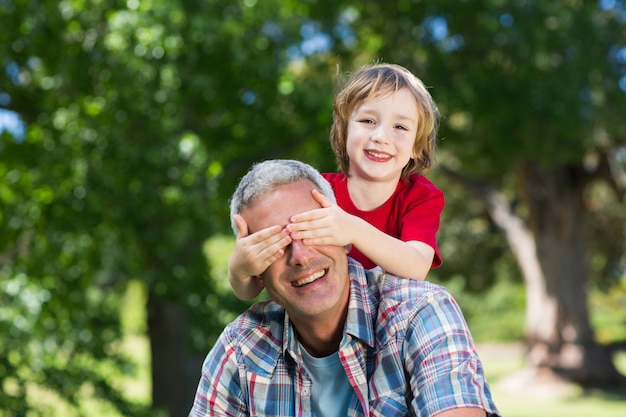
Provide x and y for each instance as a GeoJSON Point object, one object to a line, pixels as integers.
{"type": "Point", "coordinates": [362, 310]}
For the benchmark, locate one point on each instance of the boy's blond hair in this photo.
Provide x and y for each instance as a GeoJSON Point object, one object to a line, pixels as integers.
{"type": "Point", "coordinates": [379, 80]}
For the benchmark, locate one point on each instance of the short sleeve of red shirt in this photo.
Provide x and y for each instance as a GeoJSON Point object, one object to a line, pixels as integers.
{"type": "Point", "coordinates": [412, 213]}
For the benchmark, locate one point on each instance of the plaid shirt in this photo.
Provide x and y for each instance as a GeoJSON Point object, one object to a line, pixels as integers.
{"type": "Point", "coordinates": [406, 351]}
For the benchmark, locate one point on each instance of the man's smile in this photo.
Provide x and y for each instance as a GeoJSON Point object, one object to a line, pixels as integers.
{"type": "Point", "coordinates": [309, 279]}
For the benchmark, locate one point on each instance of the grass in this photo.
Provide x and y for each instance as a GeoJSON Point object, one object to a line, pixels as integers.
{"type": "Point", "coordinates": [504, 359]}
{"type": "Point", "coordinates": [575, 406]}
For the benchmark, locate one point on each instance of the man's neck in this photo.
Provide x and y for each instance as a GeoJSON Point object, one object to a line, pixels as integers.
{"type": "Point", "coordinates": [321, 339]}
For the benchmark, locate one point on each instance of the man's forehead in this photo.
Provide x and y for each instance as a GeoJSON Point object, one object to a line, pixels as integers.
{"type": "Point", "coordinates": [299, 190]}
{"type": "Point", "coordinates": [279, 204]}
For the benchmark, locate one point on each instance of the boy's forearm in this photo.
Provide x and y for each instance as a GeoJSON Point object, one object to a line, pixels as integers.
{"type": "Point", "coordinates": [245, 288]}
{"type": "Point", "coordinates": [406, 259]}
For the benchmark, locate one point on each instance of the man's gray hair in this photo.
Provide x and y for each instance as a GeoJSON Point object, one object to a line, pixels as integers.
{"type": "Point", "coordinates": [267, 175]}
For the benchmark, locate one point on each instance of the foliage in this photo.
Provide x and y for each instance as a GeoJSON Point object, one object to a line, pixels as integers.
{"type": "Point", "coordinates": [609, 313]}
{"type": "Point", "coordinates": [141, 115]}
{"type": "Point", "coordinates": [502, 360]}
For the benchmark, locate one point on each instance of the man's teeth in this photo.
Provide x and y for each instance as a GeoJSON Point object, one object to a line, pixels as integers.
{"type": "Point", "coordinates": [309, 279]}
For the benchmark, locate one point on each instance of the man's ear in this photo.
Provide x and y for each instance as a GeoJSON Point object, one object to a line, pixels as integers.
{"type": "Point", "coordinates": [259, 281]}
{"type": "Point", "coordinates": [242, 226]}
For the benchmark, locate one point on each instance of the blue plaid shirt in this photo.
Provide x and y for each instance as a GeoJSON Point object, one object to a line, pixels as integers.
{"type": "Point", "coordinates": [406, 351]}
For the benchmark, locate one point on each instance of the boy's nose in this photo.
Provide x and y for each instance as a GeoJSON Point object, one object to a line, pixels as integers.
{"type": "Point", "coordinates": [379, 134]}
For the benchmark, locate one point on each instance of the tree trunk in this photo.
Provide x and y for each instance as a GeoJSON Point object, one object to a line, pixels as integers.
{"type": "Point", "coordinates": [175, 373]}
{"type": "Point", "coordinates": [558, 331]}
{"type": "Point", "coordinates": [552, 255]}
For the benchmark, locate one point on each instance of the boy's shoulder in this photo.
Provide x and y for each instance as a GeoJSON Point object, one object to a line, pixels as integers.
{"type": "Point", "coordinates": [420, 181]}
{"type": "Point", "coordinates": [418, 188]}
{"type": "Point", "coordinates": [333, 177]}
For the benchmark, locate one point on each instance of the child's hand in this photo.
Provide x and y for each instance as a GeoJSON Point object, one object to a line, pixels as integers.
{"type": "Point", "coordinates": [328, 225]}
{"type": "Point", "coordinates": [254, 253]}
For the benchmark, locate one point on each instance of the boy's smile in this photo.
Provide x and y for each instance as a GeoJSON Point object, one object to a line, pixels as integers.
{"type": "Point", "coordinates": [381, 135]}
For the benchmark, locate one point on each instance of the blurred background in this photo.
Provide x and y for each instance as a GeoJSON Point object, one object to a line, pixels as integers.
{"type": "Point", "coordinates": [125, 125]}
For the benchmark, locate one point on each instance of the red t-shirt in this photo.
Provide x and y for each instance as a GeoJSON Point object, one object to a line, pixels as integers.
{"type": "Point", "coordinates": [411, 213]}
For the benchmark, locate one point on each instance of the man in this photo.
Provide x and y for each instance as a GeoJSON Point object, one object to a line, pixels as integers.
{"type": "Point", "coordinates": [335, 339]}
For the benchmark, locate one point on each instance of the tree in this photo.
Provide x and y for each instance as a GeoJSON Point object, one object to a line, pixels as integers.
{"type": "Point", "coordinates": [140, 117]}
{"type": "Point", "coordinates": [531, 94]}
{"type": "Point", "coordinates": [95, 195]}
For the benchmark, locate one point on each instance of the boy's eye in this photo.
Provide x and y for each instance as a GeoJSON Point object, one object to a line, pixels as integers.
{"type": "Point", "coordinates": [368, 121]}
{"type": "Point", "coordinates": [401, 127]}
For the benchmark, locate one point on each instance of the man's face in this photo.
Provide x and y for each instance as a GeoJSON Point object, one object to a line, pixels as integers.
{"type": "Point", "coordinates": [308, 281]}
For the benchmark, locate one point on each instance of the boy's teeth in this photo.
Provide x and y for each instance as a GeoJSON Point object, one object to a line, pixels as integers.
{"type": "Point", "coordinates": [378, 155]}
{"type": "Point", "coordinates": [308, 279]}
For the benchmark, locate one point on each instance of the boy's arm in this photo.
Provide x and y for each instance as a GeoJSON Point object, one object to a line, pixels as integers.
{"type": "Point", "coordinates": [330, 225]}
{"type": "Point", "coordinates": [411, 259]}
{"type": "Point", "coordinates": [252, 255]}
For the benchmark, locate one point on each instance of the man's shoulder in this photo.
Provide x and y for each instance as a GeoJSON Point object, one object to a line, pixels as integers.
{"type": "Point", "coordinates": [263, 314]}
{"type": "Point", "coordinates": [259, 327]}
{"type": "Point", "coordinates": [401, 300]}
{"type": "Point", "coordinates": [382, 286]}
{"type": "Point", "coordinates": [256, 336]}
{"type": "Point", "coordinates": [403, 290]}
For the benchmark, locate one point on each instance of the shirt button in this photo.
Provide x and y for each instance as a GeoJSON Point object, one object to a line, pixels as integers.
{"type": "Point", "coordinates": [305, 391]}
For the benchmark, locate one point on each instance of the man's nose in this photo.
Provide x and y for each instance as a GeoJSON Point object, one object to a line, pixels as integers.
{"type": "Point", "coordinates": [299, 253]}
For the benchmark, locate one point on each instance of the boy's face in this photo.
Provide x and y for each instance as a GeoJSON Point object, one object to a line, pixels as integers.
{"type": "Point", "coordinates": [381, 136]}
{"type": "Point", "coordinates": [310, 282]}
